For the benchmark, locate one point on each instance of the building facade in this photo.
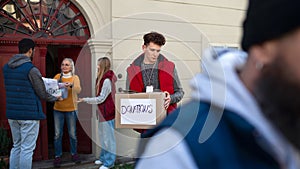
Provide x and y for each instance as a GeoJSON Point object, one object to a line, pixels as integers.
{"type": "Point", "coordinates": [88, 29]}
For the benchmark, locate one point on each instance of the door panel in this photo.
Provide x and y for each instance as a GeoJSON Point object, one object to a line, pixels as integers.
{"type": "Point", "coordinates": [6, 52]}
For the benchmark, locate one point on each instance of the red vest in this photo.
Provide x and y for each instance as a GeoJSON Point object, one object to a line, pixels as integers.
{"type": "Point", "coordinates": [165, 75]}
{"type": "Point", "coordinates": [107, 108]}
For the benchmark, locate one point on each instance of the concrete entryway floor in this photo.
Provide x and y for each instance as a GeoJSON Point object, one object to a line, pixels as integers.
{"type": "Point", "coordinates": [87, 162]}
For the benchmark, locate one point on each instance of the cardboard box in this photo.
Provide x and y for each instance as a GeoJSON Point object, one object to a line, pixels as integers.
{"type": "Point", "coordinates": [139, 110]}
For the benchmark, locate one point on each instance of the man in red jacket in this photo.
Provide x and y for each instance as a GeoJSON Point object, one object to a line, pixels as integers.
{"type": "Point", "coordinates": [151, 71]}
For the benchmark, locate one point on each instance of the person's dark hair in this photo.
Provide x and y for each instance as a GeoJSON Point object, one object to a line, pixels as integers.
{"type": "Point", "coordinates": [155, 38]}
{"type": "Point", "coordinates": [25, 45]}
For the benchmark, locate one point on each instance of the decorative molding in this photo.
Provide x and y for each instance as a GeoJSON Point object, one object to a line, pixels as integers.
{"type": "Point", "coordinates": [100, 47]}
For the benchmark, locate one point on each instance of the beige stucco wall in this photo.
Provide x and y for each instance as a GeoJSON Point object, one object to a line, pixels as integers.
{"type": "Point", "coordinates": [187, 24]}
{"type": "Point", "coordinates": [117, 27]}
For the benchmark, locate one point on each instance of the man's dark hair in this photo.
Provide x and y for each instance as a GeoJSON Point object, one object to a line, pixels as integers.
{"type": "Point", "coordinates": [25, 45]}
{"type": "Point", "coordinates": [155, 38]}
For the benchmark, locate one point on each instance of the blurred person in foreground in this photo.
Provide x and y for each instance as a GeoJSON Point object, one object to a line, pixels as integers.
{"type": "Point", "coordinates": [244, 114]}
{"type": "Point", "coordinates": [24, 88]}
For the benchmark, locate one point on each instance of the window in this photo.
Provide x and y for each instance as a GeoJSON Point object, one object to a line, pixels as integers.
{"type": "Point", "coordinates": [42, 18]}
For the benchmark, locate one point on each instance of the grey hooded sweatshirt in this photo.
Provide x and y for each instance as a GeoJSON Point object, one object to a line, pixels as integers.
{"type": "Point", "coordinates": [34, 75]}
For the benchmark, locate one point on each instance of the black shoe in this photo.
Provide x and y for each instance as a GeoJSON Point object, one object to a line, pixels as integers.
{"type": "Point", "coordinates": [75, 159]}
{"type": "Point", "coordinates": [57, 162]}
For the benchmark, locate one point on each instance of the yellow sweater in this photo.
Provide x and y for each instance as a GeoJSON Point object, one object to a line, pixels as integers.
{"type": "Point", "coordinates": [69, 103]}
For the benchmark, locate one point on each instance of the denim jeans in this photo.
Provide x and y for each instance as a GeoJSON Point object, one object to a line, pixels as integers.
{"type": "Point", "coordinates": [108, 143]}
{"type": "Point", "coordinates": [59, 119]}
{"type": "Point", "coordinates": [24, 135]}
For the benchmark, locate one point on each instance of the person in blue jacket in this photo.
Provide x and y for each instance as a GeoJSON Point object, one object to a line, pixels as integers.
{"type": "Point", "coordinates": [24, 90]}
{"type": "Point", "coordinates": [245, 110]}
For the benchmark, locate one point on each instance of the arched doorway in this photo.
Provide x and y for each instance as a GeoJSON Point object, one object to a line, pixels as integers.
{"type": "Point", "coordinates": [59, 30]}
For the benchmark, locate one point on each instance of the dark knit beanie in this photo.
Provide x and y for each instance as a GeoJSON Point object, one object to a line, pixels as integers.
{"type": "Point", "coordinates": [26, 44]}
{"type": "Point", "coordinates": [268, 20]}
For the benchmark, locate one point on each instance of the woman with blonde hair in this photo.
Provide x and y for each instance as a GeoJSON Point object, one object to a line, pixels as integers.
{"type": "Point", "coordinates": [66, 110]}
{"type": "Point", "coordinates": [105, 92]}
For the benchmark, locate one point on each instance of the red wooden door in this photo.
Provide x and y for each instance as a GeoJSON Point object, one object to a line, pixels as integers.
{"type": "Point", "coordinates": [83, 70]}
{"type": "Point", "coordinates": [6, 52]}
{"type": "Point", "coordinates": [41, 151]}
